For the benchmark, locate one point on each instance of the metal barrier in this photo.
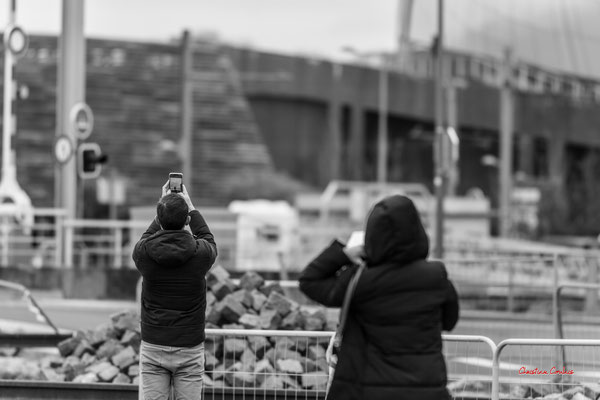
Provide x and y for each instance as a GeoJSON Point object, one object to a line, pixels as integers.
{"type": "Point", "coordinates": [515, 284]}
{"type": "Point", "coordinates": [558, 310]}
{"type": "Point", "coordinates": [260, 361]}
{"type": "Point", "coordinates": [469, 365]}
{"type": "Point", "coordinates": [532, 368]}
{"type": "Point", "coordinates": [32, 305]}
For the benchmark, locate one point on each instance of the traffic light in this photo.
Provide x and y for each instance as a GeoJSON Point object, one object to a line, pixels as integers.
{"type": "Point", "coordinates": [90, 160]}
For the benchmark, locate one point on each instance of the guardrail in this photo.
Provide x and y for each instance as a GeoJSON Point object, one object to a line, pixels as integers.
{"type": "Point", "coordinates": [33, 306]}
{"type": "Point", "coordinates": [534, 369]}
{"type": "Point", "coordinates": [469, 361]}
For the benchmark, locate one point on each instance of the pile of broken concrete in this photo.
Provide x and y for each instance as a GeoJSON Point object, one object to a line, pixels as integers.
{"type": "Point", "coordinates": [110, 352]}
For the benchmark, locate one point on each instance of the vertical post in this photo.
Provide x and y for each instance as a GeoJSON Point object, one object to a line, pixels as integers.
{"type": "Point", "coordinates": [118, 248]}
{"type": "Point", "coordinates": [510, 297]}
{"type": "Point", "coordinates": [404, 21]}
{"type": "Point", "coordinates": [335, 131]}
{"type": "Point", "coordinates": [382, 133]}
{"type": "Point", "coordinates": [8, 130]}
{"type": "Point", "coordinates": [506, 146]}
{"type": "Point", "coordinates": [59, 240]}
{"type": "Point", "coordinates": [454, 173]}
{"type": "Point", "coordinates": [112, 192]}
{"type": "Point", "coordinates": [356, 159]}
{"type": "Point", "coordinates": [440, 175]}
{"type": "Point", "coordinates": [496, 374]}
{"type": "Point", "coordinates": [71, 90]}
{"type": "Point", "coordinates": [8, 119]}
{"type": "Point", "coordinates": [185, 149]}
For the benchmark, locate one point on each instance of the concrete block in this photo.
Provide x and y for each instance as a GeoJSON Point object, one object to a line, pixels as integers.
{"type": "Point", "coordinates": [108, 373]}
{"type": "Point", "coordinates": [122, 378]}
{"type": "Point", "coordinates": [258, 300]}
{"type": "Point", "coordinates": [233, 348]}
{"type": "Point", "coordinates": [250, 321]}
{"type": "Point", "coordinates": [269, 319]}
{"type": "Point", "coordinates": [124, 320]}
{"type": "Point", "coordinates": [231, 309]}
{"type": "Point", "coordinates": [109, 348]}
{"type": "Point", "coordinates": [251, 280]}
{"type": "Point", "coordinates": [88, 377]}
{"type": "Point", "coordinates": [314, 381]}
{"type": "Point", "coordinates": [283, 305]}
{"type": "Point", "coordinates": [124, 358]}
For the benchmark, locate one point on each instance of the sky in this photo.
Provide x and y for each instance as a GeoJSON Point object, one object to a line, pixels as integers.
{"type": "Point", "coordinates": [562, 35]}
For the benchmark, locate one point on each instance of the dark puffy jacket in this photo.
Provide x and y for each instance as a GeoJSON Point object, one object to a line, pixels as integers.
{"type": "Point", "coordinates": [392, 346]}
{"type": "Point", "coordinates": [173, 264]}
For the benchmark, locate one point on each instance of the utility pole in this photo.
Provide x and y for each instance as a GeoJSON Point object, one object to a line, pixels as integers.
{"type": "Point", "coordinates": [187, 97]}
{"type": "Point", "coordinates": [71, 90]}
{"type": "Point", "coordinates": [440, 178]}
{"type": "Point", "coordinates": [506, 144]}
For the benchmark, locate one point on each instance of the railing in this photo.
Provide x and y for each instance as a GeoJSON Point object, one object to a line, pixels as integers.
{"type": "Point", "coordinates": [532, 368]}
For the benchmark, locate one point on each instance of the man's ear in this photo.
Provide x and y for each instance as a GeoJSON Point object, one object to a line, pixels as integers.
{"type": "Point", "coordinates": [187, 220]}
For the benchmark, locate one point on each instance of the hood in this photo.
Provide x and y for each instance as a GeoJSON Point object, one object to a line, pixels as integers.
{"type": "Point", "coordinates": [170, 247]}
{"type": "Point", "coordinates": [394, 233]}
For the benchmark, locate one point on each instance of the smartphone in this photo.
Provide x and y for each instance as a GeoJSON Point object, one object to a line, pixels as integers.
{"type": "Point", "coordinates": [175, 182]}
{"type": "Point", "coordinates": [357, 238]}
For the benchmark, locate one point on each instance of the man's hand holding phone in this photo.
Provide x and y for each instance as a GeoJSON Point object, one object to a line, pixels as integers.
{"type": "Point", "coordinates": [186, 196]}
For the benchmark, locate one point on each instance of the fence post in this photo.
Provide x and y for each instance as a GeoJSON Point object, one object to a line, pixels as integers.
{"type": "Point", "coordinates": [68, 245]}
{"type": "Point", "coordinates": [591, 298]}
{"type": "Point", "coordinates": [511, 294]}
{"type": "Point", "coordinates": [118, 248]}
{"type": "Point", "coordinates": [496, 373]}
{"type": "Point", "coordinates": [555, 295]}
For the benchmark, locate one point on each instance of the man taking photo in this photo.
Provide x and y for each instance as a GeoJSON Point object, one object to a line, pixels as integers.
{"type": "Point", "coordinates": [173, 263]}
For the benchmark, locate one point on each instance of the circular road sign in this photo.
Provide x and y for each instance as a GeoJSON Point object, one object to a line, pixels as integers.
{"type": "Point", "coordinates": [63, 149]}
{"type": "Point", "coordinates": [16, 40]}
{"type": "Point", "coordinates": [82, 120]}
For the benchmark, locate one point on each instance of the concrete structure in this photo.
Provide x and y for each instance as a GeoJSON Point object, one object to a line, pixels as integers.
{"type": "Point", "coordinates": [223, 112]}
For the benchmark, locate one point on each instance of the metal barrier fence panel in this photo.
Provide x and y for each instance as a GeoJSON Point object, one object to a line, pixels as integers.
{"type": "Point", "coordinates": [514, 284]}
{"type": "Point", "coordinates": [534, 368]}
{"type": "Point", "coordinates": [262, 362]}
{"type": "Point", "coordinates": [469, 365]}
{"type": "Point", "coordinates": [504, 297]}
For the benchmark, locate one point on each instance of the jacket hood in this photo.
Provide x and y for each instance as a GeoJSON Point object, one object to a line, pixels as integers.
{"type": "Point", "coordinates": [170, 247]}
{"type": "Point", "coordinates": [394, 233]}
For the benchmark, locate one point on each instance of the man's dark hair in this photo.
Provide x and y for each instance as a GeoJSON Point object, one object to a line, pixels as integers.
{"type": "Point", "coordinates": [172, 211]}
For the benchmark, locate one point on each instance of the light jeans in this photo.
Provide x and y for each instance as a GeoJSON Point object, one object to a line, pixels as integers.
{"type": "Point", "coordinates": [166, 370]}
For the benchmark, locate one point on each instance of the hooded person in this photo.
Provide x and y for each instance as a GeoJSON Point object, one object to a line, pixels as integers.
{"type": "Point", "coordinates": [392, 345]}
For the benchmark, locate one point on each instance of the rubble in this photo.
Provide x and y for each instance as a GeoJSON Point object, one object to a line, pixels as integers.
{"type": "Point", "coordinates": [110, 352]}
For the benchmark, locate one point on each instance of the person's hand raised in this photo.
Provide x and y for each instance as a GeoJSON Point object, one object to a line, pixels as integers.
{"type": "Point", "coordinates": [184, 193]}
{"type": "Point", "coordinates": [165, 189]}
{"type": "Point", "coordinates": [355, 253]}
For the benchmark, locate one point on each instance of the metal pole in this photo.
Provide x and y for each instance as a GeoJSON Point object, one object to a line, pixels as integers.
{"type": "Point", "coordinates": [185, 144]}
{"type": "Point", "coordinates": [8, 119]}
{"type": "Point", "coordinates": [71, 85]}
{"type": "Point", "coordinates": [382, 134]}
{"type": "Point", "coordinates": [506, 146]}
{"type": "Point", "coordinates": [440, 175]}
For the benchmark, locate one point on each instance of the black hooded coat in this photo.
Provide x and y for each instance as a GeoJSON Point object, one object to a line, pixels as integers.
{"type": "Point", "coordinates": [392, 345]}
